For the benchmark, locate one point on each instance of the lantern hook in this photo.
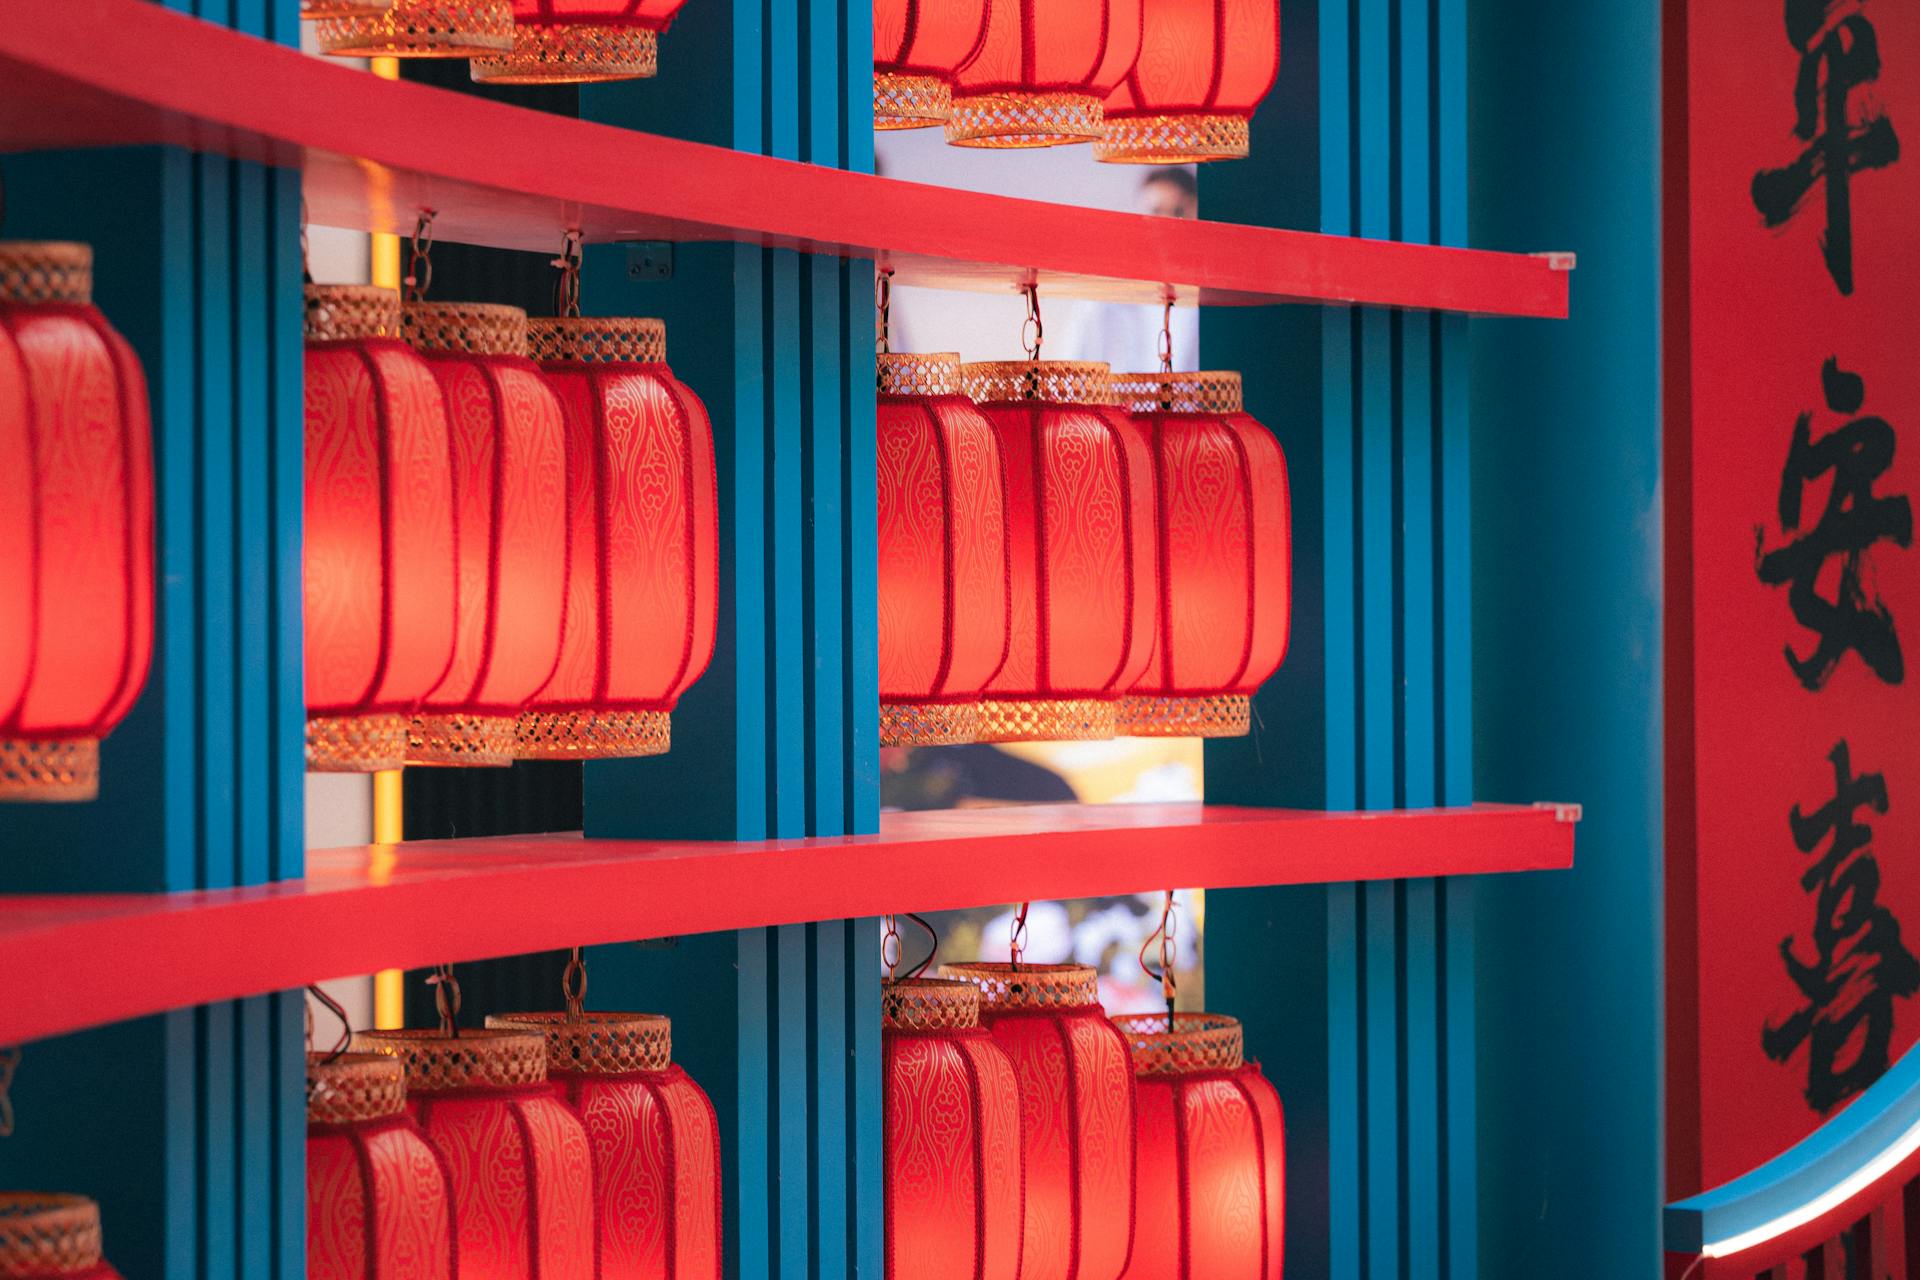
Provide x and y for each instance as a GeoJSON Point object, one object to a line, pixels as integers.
{"type": "Point", "coordinates": [1032, 331]}
{"type": "Point", "coordinates": [889, 944]}
{"type": "Point", "coordinates": [446, 999]}
{"type": "Point", "coordinates": [306, 255]}
{"type": "Point", "coordinates": [339, 1011]}
{"type": "Point", "coordinates": [1017, 935]}
{"type": "Point", "coordinates": [1166, 335]}
{"type": "Point", "coordinates": [420, 260]}
{"type": "Point", "coordinates": [9, 1063]}
{"type": "Point", "coordinates": [883, 309]}
{"type": "Point", "coordinates": [573, 985]}
{"type": "Point", "coordinates": [1168, 951]}
{"type": "Point", "coordinates": [566, 287]}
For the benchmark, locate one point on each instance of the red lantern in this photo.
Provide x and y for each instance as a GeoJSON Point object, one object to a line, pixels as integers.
{"type": "Point", "coordinates": [1225, 556]}
{"type": "Point", "coordinates": [655, 1140]}
{"type": "Point", "coordinates": [417, 29]}
{"type": "Point", "coordinates": [1204, 66]}
{"type": "Point", "coordinates": [379, 573]}
{"type": "Point", "coordinates": [918, 49]}
{"type": "Point", "coordinates": [1076, 1114]}
{"type": "Point", "coordinates": [945, 585]}
{"type": "Point", "coordinates": [379, 1200]}
{"type": "Point", "coordinates": [643, 570]}
{"type": "Point", "coordinates": [510, 517]}
{"type": "Point", "coordinates": [1080, 538]}
{"type": "Point", "coordinates": [76, 525]}
{"type": "Point", "coordinates": [951, 1117]}
{"type": "Point", "coordinates": [1212, 1191]}
{"type": "Point", "coordinates": [1043, 71]}
{"type": "Point", "coordinates": [580, 42]}
{"type": "Point", "coordinates": [518, 1161]}
{"type": "Point", "coordinates": [50, 1235]}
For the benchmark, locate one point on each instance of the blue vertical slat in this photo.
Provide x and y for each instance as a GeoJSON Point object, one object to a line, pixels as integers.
{"type": "Point", "coordinates": [828, 1141]}
{"type": "Point", "coordinates": [792, 1152]}
{"type": "Point", "coordinates": [217, 1171]}
{"type": "Point", "coordinates": [831, 508]}
{"type": "Point", "coordinates": [1345, 1200]}
{"type": "Point", "coordinates": [216, 606]}
{"type": "Point", "coordinates": [177, 660]}
{"type": "Point", "coordinates": [286, 655]}
{"type": "Point", "coordinates": [182, 1069]}
{"type": "Point", "coordinates": [748, 444]}
{"type": "Point", "coordinates": [252, 630]}
{"type": "Point", "coordinates": [1424, 1159]}
{"type": "Point", "coordinates": [866, 1194]}
{"type": "Point", "coordinates": [257, 1087]}
{"type": "Point", "coordinates": [290, 1136]}
{"type": "Point", "coordinates": [862, 540]}
{"type": "Point", "coordinates": [753, 1137]}
{"type": "Point", "coordinates": [785, 582]}
{"type": "Point", "coordinates": [1341, 567]}
{"type": "Point", "coordinates": [1381, 1068]}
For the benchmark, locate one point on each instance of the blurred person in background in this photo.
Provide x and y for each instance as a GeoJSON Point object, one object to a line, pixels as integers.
{"type": "Point", "coordinates": [1127, 334]}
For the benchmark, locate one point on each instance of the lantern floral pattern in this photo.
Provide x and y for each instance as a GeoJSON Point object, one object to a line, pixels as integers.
{"type": "Point", "coordinates": [1203, 69]}
{"type": "Point", "coordinates": [1043, 72]}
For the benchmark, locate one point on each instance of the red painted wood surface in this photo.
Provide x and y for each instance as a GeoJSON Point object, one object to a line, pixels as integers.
{"type": "Point", "coordinates": [73, 962]}
{"type": "Point", "coordinates": [104, 72]}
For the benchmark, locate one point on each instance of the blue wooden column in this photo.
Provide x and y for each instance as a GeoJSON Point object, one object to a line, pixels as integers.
{"type": "Point", "coordinates": [780, 739]}
{"type": "Point", "coordinates": [1372, 1034]}
{"type": "Point", "coordinates": [190, 1127]}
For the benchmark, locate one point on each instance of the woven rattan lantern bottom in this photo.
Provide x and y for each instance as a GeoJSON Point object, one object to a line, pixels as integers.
{"type": "Point", "coordinates": [928, 724]}
{"type": "Point", "coordinates": [356, 744]}
{"type": "Point", "coordinates": [929, 1005]}
{"type": "Point", "coordinates": [1182, 139]}
{"type": "Point", "coordinates": [354, 1088]}
{"type": "Point", "coordinates": [573, 53]}
{"type": "Point", "coordinates": [1027, 987]}
{"type": "Point", "coordinates": [421, 29]}
{"type": "Point", "coordinates": [1025, 120]}
{"type": "Point", "coordinates": [1222, 715]}
{"type": "Point", "coordinates": [604, 1044]}
{"type": "Point", "coordinates": [343, 8]}
{"type": "Point", "coordinates": [436, 1062]}
{"type": "Point", "coordinates": [910, 102]}
{"type": "Point", "coordinates": [59, 771]}
{"type": "Point", "coordinates": [1193, 1044]}
{"type": "Point", "coordinates": [592, 735]}
{"type": "Point", "coordinates": [460, 739]}
{"type": "Point", "coordinates": [1047, 720]}
{"type": "Point", "coordinates": [48, 1235]}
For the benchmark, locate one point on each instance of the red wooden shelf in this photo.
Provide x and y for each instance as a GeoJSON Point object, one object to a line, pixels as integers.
{"type": "Point", "coordinates": [80, 961]}
{"type": "Point", "coordinates": [110, 72]}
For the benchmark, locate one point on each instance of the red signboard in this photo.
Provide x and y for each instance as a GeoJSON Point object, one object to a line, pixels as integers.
{"type": "Point", "coordinates": [1793, 462]}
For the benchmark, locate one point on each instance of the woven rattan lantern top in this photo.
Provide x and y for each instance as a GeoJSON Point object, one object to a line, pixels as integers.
{"type": "Point", "coordinates": [1051, 381]}
{"type": "Point", "coordinates": [1196, 1043]}
{"type": "Point", "coordinates": [597, 340]}
{"type": "Point", "coordinates": [38, 271]}
{"type": "Point", "coordinates": [436, 1062]}
{"type": "Point", "coordinates": [351, 312]}
{"type": "Point", "coordinates": [1207, 392]}
{"type": "Point", "coordinates": [929, 1004]}
{"type": "Point", "coordinates": [1028, 987]}
{"type": "Point", "coordinates": [354, 1088]}
{"type": "Point", "coordinates": [601, 1044]}
{"type": "Point", "coordinates": [47, 1235]}
{"type": "Point", "coordinates": [465, 328]}
{"type": "Point", "coordinates": [901, 373]}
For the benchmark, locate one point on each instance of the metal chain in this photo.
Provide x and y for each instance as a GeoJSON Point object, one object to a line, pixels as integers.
{"type": "Point", "coordinates": [9, 1063]}
{"type": "Point", "coordinates": [566, 288]}
{"type": "Point", "coordinates": [1166, 336]}
{"type": "Point", "coordinates": [1169, 986]}
{"type": "Point", "coordinates": [446, 999]}
{"type": "Point", "coordinates": [573, 985]}
{"type": "Point", "coordinates": [882, 310]}
{"type": "Point", "coordinates": [1032, 331]}
{"type": "Point", "coordinates": [890, 946]}
{"type": "Point", "coordinates": [420, 261]}
{"type": "Point", "coordinates": [306, 256]}
{"type": "Point", "coordinates": [1017, 936]}
{"type": "Point", "coordinates": [339, 1011]}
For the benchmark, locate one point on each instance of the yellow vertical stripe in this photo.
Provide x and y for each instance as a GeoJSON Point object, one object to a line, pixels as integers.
{"type": "Point", "coordinates": [389, 990]}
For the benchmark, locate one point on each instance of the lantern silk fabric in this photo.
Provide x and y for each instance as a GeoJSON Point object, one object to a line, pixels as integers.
{"type": "Point", "coordinates": [1203, 69]}
{"type": "Point", "coordinates": [945, 585]}
{"type": "Point", "coordinates": [1212, 1190]}
{"type": "Point", "coordinates": [642, 581]}
{"type": "Point", "coordinates": [580, 42]}
{"type": "Point", "coordinates": [517, 1159]}
{"type": "Point", "coordinates": [655, 1141]}
{"type": "Point", "coordinates": [379, 574]}
{"type": "Point", "coordinates": [1222, 531]}
{"type": "Point", "coordinates": [1080, 510]}
{"type": "Point", "coordinates": [76, 524]}
{"type": "Point", "coordinates": [508, 448]}
{"type": "Point", "coordinates": [1076, 1115]}
{"type": "Point", "coordinates": [379, 1197]}
{"type": "Point", "coordinates": [919, 47]}
{"type": "Point", "coordinates": [954, 1189]}
{"type": "Point", "coordinates": [1043, 72]}
{"type": "Point", "coordinates": [48, 1235]}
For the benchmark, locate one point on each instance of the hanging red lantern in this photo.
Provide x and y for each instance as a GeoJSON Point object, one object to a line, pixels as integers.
{"type": "Point", "coordinates": [918, 49]}
{"type": "Point", "coordinates": [417, 29]}
{"type": "Point", "coordinates": [1043, 71]}
{"type": "Point", "coordinates": [580, 42]}
{"type": "Point", "coordinates": [509, 490]}
{"type": "Point", "coordinates": [1076, 1114]}
{"type": "Point", "coordinates": [379, 561]}
{"type": "Point", "coordinates": [379, 1198]}
{"type": "Point", "coordinates": [944, 581]}
{"type": "Point", "coordinates": [76, 524]}
{"type": "Point", "coordinates": [655, 1140]}
{"type": "Point", "coordinates": [1223, 530]}
{"type": "Point", "coordinates": [643, 585]}
{"type": "Point", "coordinates": [951, 1123]}
{"type": "Point", "coordinates": [1204, 66]}
{"type": "Point", "coordinates": [43, 1235]}
{"type": "Point", "coordinates": [518, 1160]}
{"type": "Point", "coordinates": [1212, 1150]}
{"type": "Point", "coordinates": [1080, 539]}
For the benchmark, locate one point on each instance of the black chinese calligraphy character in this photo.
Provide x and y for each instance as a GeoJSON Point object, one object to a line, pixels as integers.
{"type": "Point", "coordinates": [1859, 966]}
{"type": "Point", "coordinates": [1839, 52]}
{"type": "Point", "coordinates": [1853, 520]}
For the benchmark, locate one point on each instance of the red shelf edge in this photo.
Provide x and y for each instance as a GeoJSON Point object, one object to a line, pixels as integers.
{"type": "Point", "coordinates": [81, 961]}
{"type": "Point", "coordinates": [375, 151]}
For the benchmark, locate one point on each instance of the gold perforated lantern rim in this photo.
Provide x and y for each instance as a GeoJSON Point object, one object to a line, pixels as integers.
{"type": "Point", "coordinates": [421, 29]}
{"type": "Point", "coordinates": [904, 373]}
{"type": "Point", "coordinates": [592, 735]}
{"type": "Point", "coordinates": [910, 102]}
{"type": "Point", "coordinates": [351, 312]}
{"type": "Point", "coordinates": [37, 271]}
{"type": "Point", "coordinates": [461, 740]}
{"type": "Point", "coordinates": [1213, 715]}
{"type": "Point", "coordinates": [597, 340]}
{"type": "Point", "coordinates": [1008, 120]}
{"type": "Point", "coordinates": [356, 744]}
{"type": "Point", "coordinates": [312, 9]}
{"type": "Point", "coordinates": [929, 1004]}
{"type": "Point", "coordinates": [928, 724]}
{"type": "Point", "coordinates": [47, 1234]}
{"type": "Point", "coordinates": [1173, 139]}
{"type": "Point", "coordinates": [436, 1062]}
{"type": "Point", "coordinates": [573, 53]}
{"type": "Point", "coordinates": [354, 1088]}
{"type": "Point", "coordinates": [464, 328]}
{"type": "Point", "coordinates": [1007, 987]}
{"type": "Point", "coordinates": [1209, 391]}
{"type": "Point", "coordinates": [1194, 1043]}
{"type": "Point", "coordinates": [1048, 720]}
{"type": "Point", "coordinates": [56, 771]}
{"type": "Point", "coordinates": [597, 1043]}
{"type": "Point", "coordinates": [1044, 381]}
